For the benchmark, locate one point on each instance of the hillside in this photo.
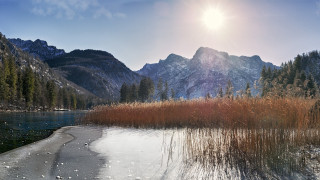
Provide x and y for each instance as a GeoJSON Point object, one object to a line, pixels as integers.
{"type": "Point", "coordinates": [96, 71]}
{"type": "Point", "coordinates": [15, 75]}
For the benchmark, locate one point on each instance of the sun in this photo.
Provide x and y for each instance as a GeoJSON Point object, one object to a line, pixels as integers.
{"type": "Point", "coordinates": [213, 18]}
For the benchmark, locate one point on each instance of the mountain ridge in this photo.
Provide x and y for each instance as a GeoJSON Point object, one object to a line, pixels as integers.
{"type": "Point", "coordinates": [38, 48]}
{"type": "Point", "coordinates": [205, 72]}
{"type": "Point", "coordinates": [97, 71]}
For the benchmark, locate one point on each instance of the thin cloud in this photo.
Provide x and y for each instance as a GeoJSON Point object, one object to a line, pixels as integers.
{"type": "Point", "coordinates": [71, 9]}
{"type": "Point", "coordinates": [102, 12]}
{"type": "Point", "coordinates": [120, 15]}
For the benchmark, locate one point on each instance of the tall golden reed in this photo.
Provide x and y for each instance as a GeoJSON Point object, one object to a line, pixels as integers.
{"type": "Point", "coordinates": [219, 112]}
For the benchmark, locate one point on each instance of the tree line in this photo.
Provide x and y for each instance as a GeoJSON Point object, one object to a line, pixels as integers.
{"type": "Point", "coordinates": [291, 80]}
{"type": "Point", "coordinates": [145, 91]}
{"type": "Point", "coordinates": [21, 88]}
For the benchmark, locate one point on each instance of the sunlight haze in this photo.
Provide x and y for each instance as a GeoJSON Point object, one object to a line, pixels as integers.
{"type": "Point", "coordinates": [143, 31]}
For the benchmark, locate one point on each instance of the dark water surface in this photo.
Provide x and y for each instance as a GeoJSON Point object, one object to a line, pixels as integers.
{"type": "Point", "coordinates": [19, 129]}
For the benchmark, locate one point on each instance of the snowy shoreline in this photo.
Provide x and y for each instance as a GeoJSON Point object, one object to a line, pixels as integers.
{"type": "Point", "coordinates": [65, 154]}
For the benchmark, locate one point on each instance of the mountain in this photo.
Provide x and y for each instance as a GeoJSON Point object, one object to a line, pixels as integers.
{"type": "Point", "coordinates": [38, 48]}
{"type": "Point", "coordinates": [96, 71]}
{"type": "Point", "coordinates": [23, 59]}
{"type": "Point", "coordinates": [208, 70]}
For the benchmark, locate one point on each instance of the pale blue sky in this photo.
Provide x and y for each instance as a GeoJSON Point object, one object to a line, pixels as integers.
{"type": "Point", "coordinates": [144, 31]}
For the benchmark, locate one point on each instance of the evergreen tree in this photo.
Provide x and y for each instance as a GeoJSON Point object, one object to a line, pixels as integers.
{"type": "Point", "coordinates": [73, 101]}
{"type": "Point", "coordinates": [28, 86]}
{"type": "Point", "coordinates": [312, 87]}
{"type": "Point", "coordinates": [4, 89]}
{"type": "Point", "coordinates": [66, 99]}
{"type": "Point", "coordinates": [150, 86]}
{"type": "Point", "coordinates": [220, 93]}
{"type": "Point", "coordinates": [297, 64]}
{"type": "Point", "coordinates": [124, 93]}
{"type": "Point", "coordinates": [248, 91]}
{"type": "Point", "coordinates": [19, 85]}
{"type": "Point", "coordinates": [134, 93]}
{"type": "Point", "coordinates": [165, 92]}
{"type": "Point", "coordinates": [208, 96]}
{"type": "Point", "coordinates": [303, 76]}
{"type": "Point", "coordinates": [37, 91]}
{"type": "Point", "coordinates": [146, 89]}
{"type": "Point", "coordinates": [3, 85]}
{"type": "Point", "coordinates": [160, 88]}
{"type": "Point", "coordinates": [291, 73]}
{"type": "Point", "coordinates": [51, 93]}
{"type": "Point", "coordinates": [264, 73]}
{"type": "Point", "coordinates": [269, 73]}
{"type": "Point", "coordinates": [173, 95]}
{"type": "Point", "coordinates": [12, 79]}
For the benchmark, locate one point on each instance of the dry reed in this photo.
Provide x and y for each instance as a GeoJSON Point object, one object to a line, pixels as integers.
{"type": "Point", "coordinates": [218, 113]}
{"type": "Point", "coordinates": [255, 138]}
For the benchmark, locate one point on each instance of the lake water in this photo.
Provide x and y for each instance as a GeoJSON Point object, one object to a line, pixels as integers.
{"type": "Point", "coordinates": [19, 129]}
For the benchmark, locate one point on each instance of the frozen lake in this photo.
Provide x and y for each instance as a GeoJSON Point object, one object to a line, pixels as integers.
{"type": "Point", "coordinates": [140, 154]}
{"type": "Point", "coordinates": [206, 154]}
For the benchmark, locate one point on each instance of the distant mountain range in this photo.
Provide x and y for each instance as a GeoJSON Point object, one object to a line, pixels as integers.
{"type": "Point", "coordinates": [102, 74]}
{"type": "Point", "coordinates": [208, 70]}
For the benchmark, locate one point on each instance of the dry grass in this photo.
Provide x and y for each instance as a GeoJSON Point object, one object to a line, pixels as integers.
{"type": "Point", "coordinates": [226, 113]}
{"type": "Point", "coordinates": [254, 138]}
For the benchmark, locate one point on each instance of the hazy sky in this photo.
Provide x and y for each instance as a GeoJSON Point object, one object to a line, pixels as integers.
{"type": "Point", "coordinates": [144, 31]}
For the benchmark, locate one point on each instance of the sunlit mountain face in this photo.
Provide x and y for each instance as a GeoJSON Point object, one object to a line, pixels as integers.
{"type": "Point", "coordinates": [206, 72]}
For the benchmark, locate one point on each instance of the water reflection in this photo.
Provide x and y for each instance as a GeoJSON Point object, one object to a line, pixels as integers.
{"type": "Point", "coordinates": [18, 129]}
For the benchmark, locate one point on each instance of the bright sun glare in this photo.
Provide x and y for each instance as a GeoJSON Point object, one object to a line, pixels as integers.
{"type": "Point", "coordinates": [213, 18]}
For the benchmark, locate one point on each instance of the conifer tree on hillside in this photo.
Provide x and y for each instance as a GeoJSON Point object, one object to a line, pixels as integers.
{"type": "Point", "coordinates": [73, 101]}
{"type": "Point", "coordinates": [12, 79]}
{"type": "Point", "coordinates": [292, 80]}
{"type": "Point", "coordinates": [28, 86]}
{"type": "Point", "coordinates": [51, 93]}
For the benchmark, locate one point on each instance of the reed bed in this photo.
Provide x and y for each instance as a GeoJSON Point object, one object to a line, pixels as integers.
{"type": "Point", "coordinates": [255, 138]}
{"type": "Point", "coordinates": [217, 113]}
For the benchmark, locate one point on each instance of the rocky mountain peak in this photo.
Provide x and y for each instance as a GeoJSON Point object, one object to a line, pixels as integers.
{"type": "Point", "coordinates": [38, 48]}
{"type": "Point", "coordinates": [208, 70]}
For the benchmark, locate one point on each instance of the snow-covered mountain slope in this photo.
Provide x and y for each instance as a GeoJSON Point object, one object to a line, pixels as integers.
{"type": "Point", "coordinates": [38, 48]}
{"type": "Point", "coordinates": [97, 71]}
{"type": "Point", "coordinates": [206, 72]}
